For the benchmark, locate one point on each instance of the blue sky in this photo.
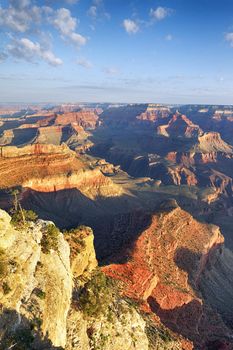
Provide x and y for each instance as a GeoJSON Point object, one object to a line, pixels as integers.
{"type": "Point", "coordinates": [175, 51]}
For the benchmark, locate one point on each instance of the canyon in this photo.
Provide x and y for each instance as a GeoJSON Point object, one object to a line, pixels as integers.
{"type": "Point", "coordinates": [155, 185]}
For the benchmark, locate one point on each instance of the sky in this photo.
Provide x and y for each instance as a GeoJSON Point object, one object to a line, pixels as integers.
{"type": "Point", "coordinates": [131, 51]}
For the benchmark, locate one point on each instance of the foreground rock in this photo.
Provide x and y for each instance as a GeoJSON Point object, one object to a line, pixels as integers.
{"type": "Point", "coordinates": [41, 285]}
{"type": "Point", "coordinates": [36, 287]}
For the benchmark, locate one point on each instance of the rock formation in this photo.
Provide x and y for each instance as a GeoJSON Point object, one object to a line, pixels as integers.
{"type": "Point", "coordinates": [164, 270]}
{"type": "Point", "coordinates": [167, 262]}
{"type": "Point", "coordinates": [47, 128]}
{"type": "Point", "coordinates": [212, 142]}
{"type": "Point", "coordinates": [180, 126]}
{"type": "Point", "coordinates": [40, 288]}
{"type": "Point", "coordinates": [49, 168]}
{"type": "Point", "coordinates": [83, 119]}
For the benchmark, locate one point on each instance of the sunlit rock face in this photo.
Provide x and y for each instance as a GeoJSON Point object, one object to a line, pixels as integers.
{"type": "Point", "coordinates": [35, 271]}
{"type": "Point", "coordinates": [82, 118]}
{"type": "Point", "coordinates": [40, 292]}
{"type": "Point", "coordinates": [49, 168]}
{"type": "Point", "coordinates": [48, 128]}
{"type": "Point", "coordinates": [180, 126]}
{"type": "Point", "coordinates": [166, 271]}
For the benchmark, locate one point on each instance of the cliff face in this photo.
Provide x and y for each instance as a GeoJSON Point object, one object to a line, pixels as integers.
{"type": "Point", "coordinates": [215, 286]}
{"type": "Point", "coordinates": [91, 183]}
{"type": "Point", "coordinates": [48, 129]}
{"type": "Point", "coordinates": [212, 142]}
{"type": "Point", "coordinates": [36, 149]}
{"type": "Point", "coordinates": [179, 126]}
{"type": "Point", "coordinates": [37, 161]}
{"type": "Point", "coordinates": [164, 272]}
{"type": "Point", "coordinates": [40, 286]}
{"type": "Point", "coordinates": [55, 134]}
{"type": "Point", "coordinates": [155, 114]}
{"type": "Point", "coordinates": [82, 118]}
{"type": "Point", "coordinates": [50, 168]}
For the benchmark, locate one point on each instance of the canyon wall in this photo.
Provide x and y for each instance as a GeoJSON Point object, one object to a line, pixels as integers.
{"type": "Point", "coordinates": [40, 284]}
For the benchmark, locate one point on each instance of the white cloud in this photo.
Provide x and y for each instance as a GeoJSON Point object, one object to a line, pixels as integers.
{"type": "Point", "coordinates": [84, 63]}
{"type": "Point", "coordinates": [130, 26]}
{"type": "Point", "coordinates": [64, 22]}
{"type": "Point", "coordinates": [66, 25]}
{"type": "Point", "coordinates": [160, 13]}
{"type": "Point", "coordinates": [229, 38]}
{"type": "Point", "coordinates": [97, 10]}
{"type": "Point", "coordinates": [92, 11]}
{"type": "Point", "coordinates": [77, 39]}
{"type": "Point", "coordinates": [20, 17]}
{"type": "Point", "coordinates": [168, 37]}
{"type": "Point", "coordinates": [25, 49]}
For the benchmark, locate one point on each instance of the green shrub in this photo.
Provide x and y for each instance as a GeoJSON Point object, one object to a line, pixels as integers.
{"type": "Point", "coordinates": [96, 295]}
{"type": "Point", "coordinates": [157, 334]}
{"type": "Point", "coordinates": [6, 288]}
{"type": "Point", "coordinates": [39, 292]}
{"type": "Point", "coordinates": [76, 238]}
{"type": "Point", "coordinates": [80, 231]}
{"type": "Point", "coordinates": [21, 217]}
{"type": "Point", "coordinates": [50, 239]}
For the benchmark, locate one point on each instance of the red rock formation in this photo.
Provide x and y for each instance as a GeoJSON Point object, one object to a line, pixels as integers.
{"type": "Point", "coordinates": [18, 165]}
{"type": "Point", "coordinates": [35, 149]}
{"type": "Point", "coordinates": [46, 121]}
{"type": "Point", "coordinates": [221, 183]}
{"type": "Point", "coordinates": [180, 126]}
{"type": "Point", "coordinates": [83, 119]}
{"type": "Point", "coordinates": [212, 142]}
{"type": "Point", "coordinates": [91, 183]}
{"type": "Point", "coordinates": [163, 271]}
{"type": "Point", "coordinates": [49, 168]}
{"type": "Point", "coordinates": [154, 114]}
{"type": "Point", "coordinates": [182, 176]}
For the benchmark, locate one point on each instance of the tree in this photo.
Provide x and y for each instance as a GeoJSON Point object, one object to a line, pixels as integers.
{"type": "Point", "coordinates": [17, 205]}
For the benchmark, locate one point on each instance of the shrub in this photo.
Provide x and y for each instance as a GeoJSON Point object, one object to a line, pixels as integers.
{"type": "Point", "coordinates": [76, 238]}
{"type": "Point", "coordinates": [96, 295]}
{"type": "Point", "coordinates": [157, 334]}
{"type": "Point", "coordinates": [39, 292]}
{"type": "Point", "coordinates": [80, 231]}
{"type": "Point", "coordinates": [6, 288]}
{"type": "Point", "coordinates": [50, 239]}
{"type": "Point", "coordinates": [21, 217]}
